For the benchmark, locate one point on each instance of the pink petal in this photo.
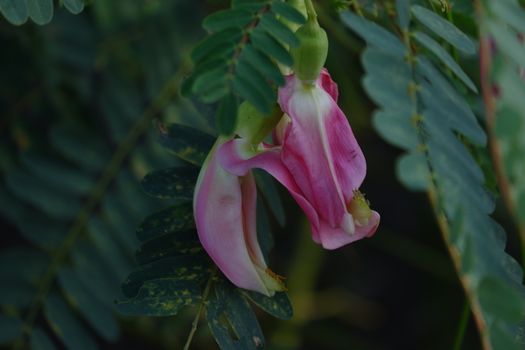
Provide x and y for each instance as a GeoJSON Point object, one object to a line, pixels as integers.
{"type": "Point", "coordinates": [224, 210]}
{"type": "Point", "coordinates": [236, 158]}
{"type": "Point", "coordinates": [328, 84]}
{"type": "Point", "coordinates": [333, 238]}
{"type": "Point", "coordinates": [320, 150]}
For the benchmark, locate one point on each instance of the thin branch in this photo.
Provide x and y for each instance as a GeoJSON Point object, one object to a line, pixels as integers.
{"type": "Point", "coordinates": [462, 327]}
{"type": "Point", "coordinates": [195, 322]}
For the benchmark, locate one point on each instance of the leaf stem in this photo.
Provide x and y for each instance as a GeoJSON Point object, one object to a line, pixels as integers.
{"type": "Point", "coordinates": [435, 198]}
{"type": "Point", "coordinates": [195, 322]}
{"type": "Point", "coordinates": [462, 327]}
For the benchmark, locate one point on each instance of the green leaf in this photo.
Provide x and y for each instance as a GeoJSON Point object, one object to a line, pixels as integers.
{"type": "Point", "coordinates": [232, 321]}
{"type": "Point", "coordinates": [395, 126]}
{"type": "Point", "coordinates": [57, 174]}
{"type": "Point", "coordinates": [15, 11]}
{"type": "Point", "coordinates": [92, 269]}
{"type": "Point", "coordinates": [211, 85]}
{"type": "Point", "coordinates": [85, 150]}
{"type": "Point", "coordinates": [10, 328]}
{"type": "Point", "coordinates": [442, 164]}
{"type": "Point", "coordinates": [169, 245]}
{"type": "Point", "coordinates": [263, 64]}
{"type": "Point", "coordinates": [252, 86]}
{"type": "Point", "coordinates": [40, 340]}
{"type": "Point", "coordinates": [270, 46]}
{"type": "Point", "coordinates": [66, 326]}
{"type": "Point", "coordinates": [96, 313]}
{"type": "Point", "coordinates": [169, 220]}
{"type": "Point", "coordinates": [444, 29]}
{"type": "Point", "coordinates": [444, 56]}
{"type": "Point", "coordinates": [455, 110]}
{"type": "Point", "coordinates": [403, 13]}
{"type": "Point", "coordinates": [286, 11]}
{"type": "Point", "coordinates": [231, 18]}
{"type": "Point", "coordinates": [40, 11]}
{"type": "Point", "coordinates": [18, 294]}
{"type": "Point", "coordinates": [74, 6]}
{"type": "Point", "coordinates": [373, 34]}
{"type": "Point", "coordinates": [187, 143]}
{"type": "Point", "coordinates": [215, 42]}
{"type": "Point", "coordinates": [388, 79]}
{"type": "Point", "coordinates": [508, 42]}
{"type": "Point", "coordinates": [30, 264]}
{"type": "Point", "coordinates": [511, 13]}
{"type": "Point", "coordinates": [172, 183]}
{"type": "Point", "coordinates": [279, 305]}
{"type": "Point", "coordinates": [503, 302]}
{"type": "Point", "coordinates": [106, 242]}
{"type": "Point", "coordinates": [412, 171]}
{"type": "Point", "coordinates": [227, 115]}
{"type": "Point", "coordinates": [192, 269]}
{"type": "Point", "coordinates": [280, 31]}
{"type": "Point", "coordinates": [46, 197]}
{"type": "Point", "coordinates": [161, 297]}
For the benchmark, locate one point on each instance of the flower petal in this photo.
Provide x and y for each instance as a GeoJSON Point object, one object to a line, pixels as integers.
{"type": "Point", "coordinates": [236, 157]}
{"type": "Point", "coordinates": [333, 238]}
{"type": "Point", "coordinates": [224, 210]}
{"type": "Point", "coordinates": [320, 150]}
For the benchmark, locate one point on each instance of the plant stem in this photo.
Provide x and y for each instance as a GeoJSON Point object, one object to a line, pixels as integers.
{"type": "Point", "coordinates": [310, 10]}
{"type": "Point", "coordinates": [462, 327]}
{"type": "Point", "coordinates": [195, 322]}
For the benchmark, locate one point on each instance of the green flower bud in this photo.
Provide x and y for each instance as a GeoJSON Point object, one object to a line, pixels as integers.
{"type": "Point", "coordinates": [253, 125]}
{"type": "Point", "coordinates": [310, 56]}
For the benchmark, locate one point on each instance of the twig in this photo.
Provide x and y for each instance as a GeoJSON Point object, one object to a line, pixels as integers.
{"type": "Point", "coordinates": [195, 322]}
{"type": "Point", "coordinates": [462, 327]}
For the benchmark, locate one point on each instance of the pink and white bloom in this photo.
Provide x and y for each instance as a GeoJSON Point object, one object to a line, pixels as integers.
{"type": "Point", "coordinates": [317, 159]}
{"type": "Point", "coordinates": [224, 208]}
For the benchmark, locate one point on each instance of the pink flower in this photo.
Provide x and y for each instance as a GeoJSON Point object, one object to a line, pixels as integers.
{"type": "Point", "coordinates": [317, 159]}
{"type": "Point", "coordinates": [224, 208]}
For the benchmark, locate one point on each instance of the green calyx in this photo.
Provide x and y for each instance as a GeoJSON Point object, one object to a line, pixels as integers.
{"type": "Point", "coordinates": [253, 125]}
{"type": "Point", "coordinates": [310, 56]}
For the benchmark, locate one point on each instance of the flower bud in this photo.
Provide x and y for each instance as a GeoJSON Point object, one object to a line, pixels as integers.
{"type": "Point", "coordinates": [310, 56]}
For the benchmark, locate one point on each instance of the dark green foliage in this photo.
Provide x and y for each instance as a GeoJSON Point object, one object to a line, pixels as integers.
{"type": "Point", "coordinates": [422, 112]}
{"type": "Point", "coordinates": [237, 60]}
{"type": "Point", "coordinates": [505, 20]}
{"type": "Point", "coordinates": [231, 320]}
{"type": "Point", "coordinates": [74, 193]}
{"type": "Point", "coordinates": [40, 11]}
{"type": "Point", "coordinates": [175, 271]}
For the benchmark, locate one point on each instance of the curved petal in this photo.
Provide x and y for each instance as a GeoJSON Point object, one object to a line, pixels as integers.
{"type": "Point", "coordinates": [321, 152]}
{"type": "Point", "coordinates": [224, 210]}
{"type": "Point", "coordinates": [236, 157]}
{"type": "Point", "coordinates": [333, 238]}
{"type": "Point", "coordinates": [328, 85]}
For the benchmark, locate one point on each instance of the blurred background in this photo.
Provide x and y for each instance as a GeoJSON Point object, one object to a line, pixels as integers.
{"type": "Point", "coordinates": [78, 101]}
